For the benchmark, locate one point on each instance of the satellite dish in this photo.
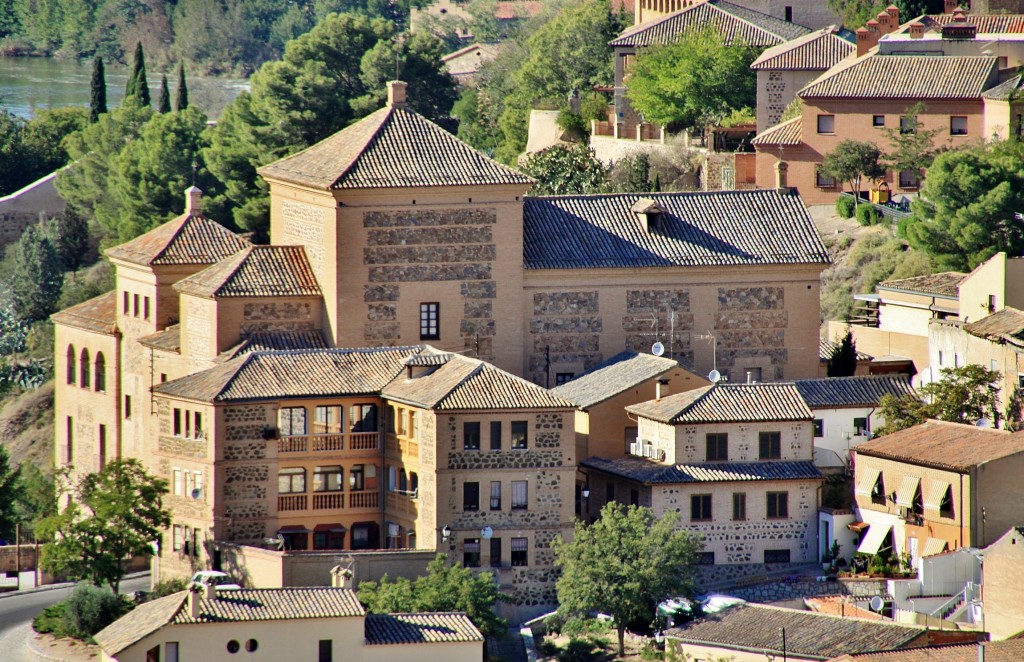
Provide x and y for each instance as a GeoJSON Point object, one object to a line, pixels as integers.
{"type": "Point", "coordinates": [196, 493]}
{"type": "Point", "coordinates": [983, 423]}
{"type": "Point", "coordinates": [714, 376]}
{"type": "Point", "coordinates": [657, 349]}
{"type": "Point", "coordinates": [876, 603]}
{"type": "Point", "coordinates": [487, 533]}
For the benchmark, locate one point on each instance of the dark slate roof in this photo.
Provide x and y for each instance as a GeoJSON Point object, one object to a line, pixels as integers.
{"type": "Point", "coordinates": [736, 25]}
{"type": "Point", "coordinates": [697, 229]}
{"type": "Point", "coordinates": [862, 391]}
{"type": "Point", "coordinates": [98, 314]}
{"type": "Point", "coordinates": [826, 347]}
{"type": "Point", "coordinates": [650, 472]}
{"type": "Point", "coordinates": [422, 628]}
{"type": "Point", "coordinates": [728, 403]}
{"type": "Point", "coordinates": [1006, 325]}
{"type": "Point", "coordinates": [293, 374]}
{"type": "Point", "coordinates": [257, 271]}
{"type": "Point", "coordinates": [876, 76]}
{"type": "Point", "coordinates": [393, 147]}
{"type": "Point", "coordinates": [952, 446]}
{"type": "Point", "coordinates": [188, 239]}
{"type": "Point", "coordinates": [819, 50]}
{"type": "Point", "coordinates": [808, 634]}
{"type": "Point", "coordinates": [944, 284]}
{"type": "Point", "coordinates": [606, 380]}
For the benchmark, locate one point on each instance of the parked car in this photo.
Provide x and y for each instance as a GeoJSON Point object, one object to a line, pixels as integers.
{"type": "Point", "coordinates": [219, 579]}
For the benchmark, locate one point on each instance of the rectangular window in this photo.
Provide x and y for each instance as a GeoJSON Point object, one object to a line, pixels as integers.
{"type": "Point", "coordinates": [128, 407]}
{"type": "Point", "coordinates": [177, 537]}
{"type": "Point", "coordinates": [135, 305]}
{"type": "Point", "coordinates": [171, 648]}
{"type": "Point", "coordinates": [909, 179]}
{"type": "Point", "coordinates": [292, 421]}
{"type": "Point", "coordinates": [717, 446]}
{"type": "Point", "coordinates": [705, 558]}
{"type": "Point", "coordinates": [188, 424]}
{"type": "Point", "coordinates": [823, 179]}
{"type": "Point", "coordinates": [291, 481]}
{"type": "Point", "coordinates": [471, 436]}
{"type": "Point", "coordinates": [126, 308]}
{"type": "Point", "coordinates": [770, 445]}
{"type": "Point", "coordinates": [878, 120]}
{"type": "Point", "coordinates": [102, 433]}
{"type": "Point", "coordinates": [520, 548]}
{"type": "Point", "coordinates": [145, 308]}
{"type": "Point", "coordinates": [470, 496]}
{"type": "Point", "coordinates": [778, 505]}
{"type": "Point", "coordinates": [520, 495]}
{"type": "Point", "coordinates": [860, 427]}
{"type": "Point", "coordinates": [776, 556]}
{"type": "Point", "coordinates": [363, 418]}
{"type": "Point", "coordinates": [495, 495]}
{"type": "Point", "coordinates": [700, 507]}
{"type": "Point", "coordinates": [826, 123]}
{"type": "Point", "coordinates": [946, 505]}
{"type": "Point", "coordinates": [70, 439]}
{"type": "Point", "coordinates": [179, 481]}
{"type": "Point", "coordinates": [495, 435]}
{"type": "Point", "coordinates": [819, 427]}
{"type": "Point", "coordinates": [357, 477]}
{"type": "Point", "coordinates": [519, 435]}
{"type": "Point", "coordinates": [177, 422]}
{"type": "Point", "coordinates": [563, 377]}
{"type": "Point", "coordinates": [739, 506]}
{"type": "Point", "coordinates": [471, 552]}
{"type": "Point", "coordinates": [326, 652]}
{"type": "Point", "coordinates": [430, 314]}
{"type": "Point", "coordinates": [991, 305]}
{"type": "Point", "coordinates": [789, 14]}
{"type": "Point", "coordinates": [908, 125]}
{"type": "Point", "coordinates": [197, 484]}
{"type": "Point", "coordinates": [327, 419]}
{"type": "Point", "coordinates": [199, 425]}
{"type": "Point", "coordinates": [495, 552]}
{"type": "Point", "coordinates": [328, 479]}
{"type": "Point", "coordinates": [958, 125]}
{"type": "Point", "coordinates": [609, 492]}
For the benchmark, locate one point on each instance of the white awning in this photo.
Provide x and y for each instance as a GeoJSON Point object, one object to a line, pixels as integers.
{"type": "Point", "coordinates": [866, 479]}
{"type": "Point", "coordinates": [933, 491]}
{"type": "Point", "coordinates": [876, 535]}
{"type": "Point", "coordinates": [933, 546]}
{"type": "Point", "coordinates": [906, 490]}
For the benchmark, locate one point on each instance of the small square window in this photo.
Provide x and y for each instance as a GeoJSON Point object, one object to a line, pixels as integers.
{"type": "Point", "coordinates": [563, 377]}
{"type": "Point", "coordinates": [717, 447]}
{"type": "Point", "coordinates": [878, 120]}
{"type": "Point", "coordinates": [700, 507]}
{"type": "Point", "coordinates": [860, 427]}
{"type": "Point", "coordinates": [770, 445]}
{"type": "Point", "coordinates": [823, 179]}
{"type": "Point", "coordinates": [705, 558]}
{"type": "Point", "coordinates": [826, 123]}
{"type": "Point", "coordinates": [908, 125]}
{"type": "Point", "coordinates": [819, 427]}
{"type": "Point", "coordinates": [430, 314]}
{"type": "Point", "coordinates": [958, 125]}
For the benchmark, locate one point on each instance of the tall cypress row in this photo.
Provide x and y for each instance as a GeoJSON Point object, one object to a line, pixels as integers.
{"type": "Point", "coordinates": [98, 97]}
{"type": "Point", "coordinates": [138, 86]}
{"type": "Point", "coordinates": [163, 104]}
{"type": "Point", "coordinates": [181, 102]}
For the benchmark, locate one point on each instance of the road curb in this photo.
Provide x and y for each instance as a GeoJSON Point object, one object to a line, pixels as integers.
{"type": "Point", "coordinates": [54, 587]}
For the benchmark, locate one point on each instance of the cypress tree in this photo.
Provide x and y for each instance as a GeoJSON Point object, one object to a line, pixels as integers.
{"type": "Point", "coordinates": [163, 105]}
{"type": "Point", "coordinates": [843, 361]}
{"type": "Point", "coordinates": [138, 86]}
{"type": "Point", "coordinates": [37, 275]}
{"type": "Point", "coordinates": [181, 103]}
{"type": "Point", "coordinates": [98, 99]}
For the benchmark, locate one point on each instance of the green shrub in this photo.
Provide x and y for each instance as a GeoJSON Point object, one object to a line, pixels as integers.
{"type": "Point", "coordinates": [570, 121]}
{"type": "Point", "coordinates": [50, 620]}
{"type": "Point", "coordinates": [167, 587]}
{"type": "Point", "coordinates": [90, 608]}
{"type": "Point", "coordinates": [867, 215]}
{"type": "Point", "coordinates": [549, 648]}
{"type": "Point", "coordinates": [577, 650]}
{"type": "Point", "coordinates": [844, 207]}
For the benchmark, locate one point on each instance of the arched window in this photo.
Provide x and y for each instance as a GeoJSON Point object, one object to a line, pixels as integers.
{"type": "Point", "coordinates": [101, 373]}
{"type": "Point", "coordinates": [72, 365]}
{"type": "Point", "coordinates": [84, 380]}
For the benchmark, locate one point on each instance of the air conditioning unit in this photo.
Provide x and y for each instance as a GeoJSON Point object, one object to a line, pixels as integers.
{"type": "Point", "coordinates": [636, 448]}
{"type": "Point", "coordinates": [269, 433]}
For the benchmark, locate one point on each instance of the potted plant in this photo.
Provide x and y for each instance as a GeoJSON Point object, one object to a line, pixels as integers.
{"type": "Point", "coordinates": [834, 554]}
{"type": "Point", "coordinates": [826, 560]}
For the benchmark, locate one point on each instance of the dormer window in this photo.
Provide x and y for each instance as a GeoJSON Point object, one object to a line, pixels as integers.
{"type": "Point", "coordinates": [649, 214]}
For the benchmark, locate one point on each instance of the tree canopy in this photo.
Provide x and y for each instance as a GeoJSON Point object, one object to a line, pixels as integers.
{"type": "Point", "coordinates": [964, 394]}
{"type": "Point", "coordinates": [115, 514]}
{"type": "Point", "coordinates": [694, 81]}
{"type": "Point", "coordinates": [843, 360]}
{"type": "Point", "coordinates": [912, 147]}
{"type": "Point", "coordinates": [565, 169]}
{"type": "Point", "coordinates": [11, 492]}
{"type": "Point", "coordinates": [624, 564]}
{"type": "Point", "coordinates": [37, 275]}
{"type": "Point", "coordinates": [852, 160]}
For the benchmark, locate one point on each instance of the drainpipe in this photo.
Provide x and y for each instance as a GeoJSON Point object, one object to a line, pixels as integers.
{"type": "Point", "coordinates": [962, 511]}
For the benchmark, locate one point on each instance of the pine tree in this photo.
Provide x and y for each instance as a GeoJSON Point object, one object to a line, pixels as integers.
{"type": "Point", "coordinates": [69, 234]}
{"type": "Point", "coordinates": [37, 276]}
{"type": "Point", "coordinates": [163, 105]}
{"type": "Point", "coordinates": [843, 361]}
{"type": "Point", "coordinates": [181, 103]}
{"type": "Point", "coordinates": [98, 99]}
{"type": "Point", "coordinates": [138, 86]}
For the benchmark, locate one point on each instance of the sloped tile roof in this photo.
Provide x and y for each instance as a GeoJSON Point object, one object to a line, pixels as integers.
{"type": "Point", "coordinates": [1011, 89]}
{"type": "Point", "coordinates": [188, 239]}
{"type": "Point", "coordinates": [293, 374]}
{"type": "Point", "coordinates": [257, 271]}
{"type": "Point", "coordinates": [826, 347]}
{"type": "Point", "coordinates": [930, 77]}
{"type": "Point", "coordinates": [606, 380]}
{"type": "Point", "coordinates": [1005, 325]}
{"type": "Point", "coordinates": [1008, 650]}
{"type": "Point", "coordinates": [734, 23]}
{"type": "Point", "coordinates": [728, 403]}
{"type": "Point", "coordinates": [98, 314]}
{"type": "Point", "coordinates": [945, 284]}
{"type": "Point", "coordinates": [789, 132]}
{"type": "Point", "coordinates": [168, 340]}
{"type": "Point", "coordinates": [808, 634]}
{"type": "Point", "coordinates": [985, 23]}
{"type": "Point", "coordinates": [953, 446]}
{"type": "Point", "coordinates": [819, 50]}
{"type": "Point", "coordinates": [858, 391]}
{"type": "Point", "coordinates": [139, 623]}
{"type": "Point", "coordinates": [840, 605]}
{"type": "Point", "coordinates": [650, 472]}
{"type": "Point", "coordinates": [697, 229]}
{"type": "Point", "coordinates": [275, 604]}
{"type": "Point", "coordinates": [277, 341]}
{"type": "Point", "coordinates": [423, 628]}
{"type": "Point", "coordinates": [392, 147]}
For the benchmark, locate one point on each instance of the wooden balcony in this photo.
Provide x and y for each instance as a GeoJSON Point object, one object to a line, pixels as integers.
{"type": "Point", "coordinates": [291, 502]}
{"type": "Point", "coordinates": [328, 500]}
{"type": "Point", "coordinates": [334, 501]}
{"type": "Point", "coordinates": [328, 443]}
{"type": "Point", "coordinates": [364, 499]}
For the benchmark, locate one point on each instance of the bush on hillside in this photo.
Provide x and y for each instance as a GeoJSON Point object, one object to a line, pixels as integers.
{"type": "Point", "coordinates": [845, 207]}
{"type": "Point", "coordinates": [868, 215]}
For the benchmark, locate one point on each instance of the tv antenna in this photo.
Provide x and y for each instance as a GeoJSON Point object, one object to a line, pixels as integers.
{"type": "Point", "coordinates": [714, 354]}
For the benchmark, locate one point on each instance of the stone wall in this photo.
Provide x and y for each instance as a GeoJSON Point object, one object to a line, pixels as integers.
{"type": "Point", "coordinates": [565, 330]}
{"type": "Point", "coordinates": [269, 316]}
{"type": "Point", "coordinates": [750, 331]}
{"type": "Point", "coordinates": [659, 315]}
{"type": "Point", "coordinates": [245, 480]}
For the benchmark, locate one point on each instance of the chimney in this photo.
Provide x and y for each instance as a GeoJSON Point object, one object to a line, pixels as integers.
{"type": "Point", "coordinates": [193, 201]}
{"type": "Point", "coordinates": [959, 15]}
{"type": "Point", "coordinates": [866, 38]}
{"type": "Point", "coordinates": [210, 591]}
{"type": "Point", "coordinates": [396, 93]}
{"type": "Point", "coordinates": [193, 601]}
{"type": "Point", "coordinates": [750, 376]}
{"type": "Point", "coordinates": [916, 30]}
{"type": "Point", "coordinates": [894, 15]}
{"type": "Point", "coordinates": [950, 6]}
{"type": "Point", "coordinates": [660, 389]}
{"type": "Point", "coordinates": [782, 177]}
{"type": "Point", "coordinates": [884, 23]}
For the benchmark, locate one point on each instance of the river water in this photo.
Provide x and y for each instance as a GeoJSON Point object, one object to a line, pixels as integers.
{"type": "Point", "coordinates": [28, 84]}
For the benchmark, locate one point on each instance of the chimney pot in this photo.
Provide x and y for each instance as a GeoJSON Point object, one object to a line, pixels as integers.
{"type": "Point", "coordinates": [193, 201]}
{"type": "Point", "coordinates": [949, 6]}
{"type": "Point", "coordinates": [397, 93]}
{"type": "Point", "coordinates": [210, 591]}
{"type": "Point", "coordinates": [193, 602]}
{"type": "Point", "coordinates": [660, 389]}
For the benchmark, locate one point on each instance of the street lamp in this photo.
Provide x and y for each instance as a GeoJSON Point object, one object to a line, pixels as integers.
{"type": "Point", "coordinates": [446, 533]}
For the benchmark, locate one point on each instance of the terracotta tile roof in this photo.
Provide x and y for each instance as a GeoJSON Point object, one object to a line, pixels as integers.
{"type": "Point", "coordinates": [860, 391]}
{"type": "Point", "coordinates": [651, 472]}
{"type": "Point", "coordinates": [393, 147]}
{"type": "Point", "coordinates": [1011, 89]}
{"type": "Point", "coordinates": [168, 340]}
{"type": "Point", "coordinates": [697, 229]}
{"type": "Point", "coordinates": [734, 23]}
{"type": "Point", "coordinates": [809, 635]}
{"type": "Point", "coordinates": [1005, 325]}
{"type": "Point", "coordinates": [98, 314]}
{"type": "Point", "coordinates": [728, 403]}
{"type": "Point", "coordinates": [462, 383]}
{"type": "Point", "coordinates": [819, 50]}
{"type": "Point", "coordinates": [520, 9]}
{"type": "Point", "coordinates": [789, 132]}
{"type": "Point", "coordinates": [985, 23]}
{"type": "Point", "coordinates": [139, 623]}
{"type": "Point", "coordinates": [945, 284]}
{"type": "Point", "coordinates": [424, 628]}
{"type": "Point", "coordinates": [257, 271]}
{"type": "Point", "coordinates": [277, 341]}
{"type": "Point", "coordinates": [840, 605]}
{"type": "Point", "coordinates": [272, 375]}
{"type": "Point", "coordinates": [606, 380]}
{"type": "Point", "coordinates": [952, 446]}
{"type": "Point", "coordinates": [1008, 650]}
{"type": "Point", "coordinates": [826, 347]}
{"type": "Point", "coordinates": [930, 77]}
{"type": "Point", "coordinates": [185, 240]}
{"type": "Point", "coordinates": [275, 604]}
